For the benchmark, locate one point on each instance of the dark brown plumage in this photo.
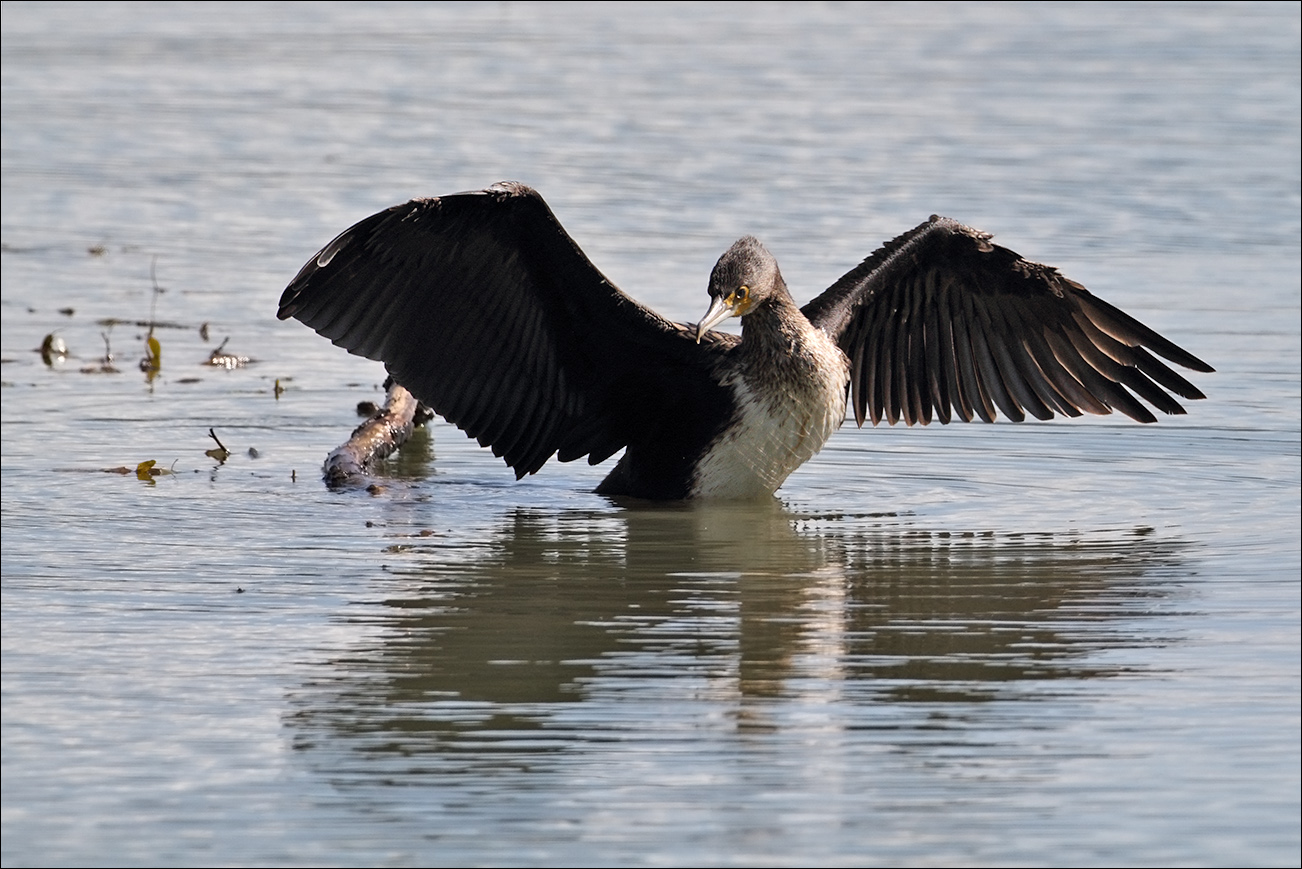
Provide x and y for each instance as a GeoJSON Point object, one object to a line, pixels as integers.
{"type": "Point", "coordinates": [485, 309]}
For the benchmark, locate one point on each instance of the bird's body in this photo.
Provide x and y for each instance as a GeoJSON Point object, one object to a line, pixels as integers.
{"type": "Point", "coordinates": [788, 381]}
{"type": "Point", "coordinates": [486, 310]}
{"type": "Point", "coordinates": [784, 387]}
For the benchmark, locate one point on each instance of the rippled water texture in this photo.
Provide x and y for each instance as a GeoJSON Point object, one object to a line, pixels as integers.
{"type": "Point", "coordinates": [1071, 643]}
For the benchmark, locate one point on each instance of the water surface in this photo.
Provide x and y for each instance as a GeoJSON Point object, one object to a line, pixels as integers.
{"type": "Point", "coordinates": [1072, 643]}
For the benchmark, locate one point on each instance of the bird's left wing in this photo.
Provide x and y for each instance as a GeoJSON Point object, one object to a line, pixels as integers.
{"type": "Point", "coordinates": [941, 319]}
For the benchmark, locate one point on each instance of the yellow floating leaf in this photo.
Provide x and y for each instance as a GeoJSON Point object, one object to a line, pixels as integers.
{"type": "Point", "coordinates": [153, 360]}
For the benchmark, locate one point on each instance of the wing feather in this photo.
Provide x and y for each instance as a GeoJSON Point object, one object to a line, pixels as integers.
{"type": "Point", "coordinates": [942, 322]}
{"type": "Point", "coordinates": [487, 311]}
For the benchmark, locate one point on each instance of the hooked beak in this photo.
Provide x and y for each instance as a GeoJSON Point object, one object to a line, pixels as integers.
{"type": "Point", "coordinates": [720, 310]}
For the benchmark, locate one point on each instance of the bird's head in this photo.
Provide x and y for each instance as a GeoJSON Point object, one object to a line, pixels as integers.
{"type": "Point", "coordinates": [742, 279]}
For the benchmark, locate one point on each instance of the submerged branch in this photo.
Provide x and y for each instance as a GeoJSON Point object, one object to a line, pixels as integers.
{"type": "Point", "coordinates": [376, 439]}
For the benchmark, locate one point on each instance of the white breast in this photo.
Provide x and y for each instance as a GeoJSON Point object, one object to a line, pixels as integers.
{"type": "Point", "coordinates": [787, 413]}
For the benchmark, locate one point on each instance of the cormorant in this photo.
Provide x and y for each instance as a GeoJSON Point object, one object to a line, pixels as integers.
{"type": "Point", "coordinates": [485, 309]}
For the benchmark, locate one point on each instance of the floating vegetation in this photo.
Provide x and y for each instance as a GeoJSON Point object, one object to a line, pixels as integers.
{"type": "Point", "coordinates": [219, 358]}
{"type": "Point", "coordinates": [110, 322]}
{"type": "Point", "coordinates": [153, 361]}
{"type": "Point", "coordinates": [146, 471]}
{"type": "Point", "coordinates": [105, 365]}
{"type": "Point", "coordinates": [53, 350]}
{"type": "Point", "coordinates": [220, 453]}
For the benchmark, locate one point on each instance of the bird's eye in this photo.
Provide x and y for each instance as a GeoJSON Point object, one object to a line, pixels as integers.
{"type": "Point", "coordinates": [743, 293]}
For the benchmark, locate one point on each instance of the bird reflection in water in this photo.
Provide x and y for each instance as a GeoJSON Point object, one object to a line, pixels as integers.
{"type": "Point", "coordinates": [486, 641]}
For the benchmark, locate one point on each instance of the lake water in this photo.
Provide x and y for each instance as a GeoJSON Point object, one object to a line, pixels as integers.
{"type": "Point", "coordinates": [1071, 643]}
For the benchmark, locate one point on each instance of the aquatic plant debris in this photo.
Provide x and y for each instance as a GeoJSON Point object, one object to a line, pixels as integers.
{"type": "Point", "coordinates": [105, 365]}
{"type": "Point", "coordinates": [53, 349]}
{"type": "Point", "coordinates": [229, 361]}
{"type": "Point", "coordinates": [147, 471]}
{"type": "Point", "coordinates": [220, 453]}
{"type": "Point", "coordinates": [153, 361]}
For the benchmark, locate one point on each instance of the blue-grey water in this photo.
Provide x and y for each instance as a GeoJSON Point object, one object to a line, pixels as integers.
{"type": "Point", "coordinates": [1070, 643]}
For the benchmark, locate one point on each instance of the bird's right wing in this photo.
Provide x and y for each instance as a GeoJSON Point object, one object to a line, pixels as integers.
{"type": "Point", "coordinates": [486, 310]}
{"type": "Point", "coordinates": [942, 319]}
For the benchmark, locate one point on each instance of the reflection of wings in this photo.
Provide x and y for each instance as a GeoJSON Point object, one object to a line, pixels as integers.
{"type": "Point", "coordinates": [488, 312]}
{"type": "Point", "coordinates": [941, 318]}
{"type": "Point", "coordinates": [925, 619]}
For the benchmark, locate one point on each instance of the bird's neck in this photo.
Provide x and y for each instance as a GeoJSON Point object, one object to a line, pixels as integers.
{"type": "Point", "coordinates": [774, 331]}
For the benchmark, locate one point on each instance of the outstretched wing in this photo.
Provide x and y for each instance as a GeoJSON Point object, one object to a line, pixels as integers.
{"type": "Point", "coordinates": [941, 318]}
{"type": "Point", "coordinates": [486, 310]}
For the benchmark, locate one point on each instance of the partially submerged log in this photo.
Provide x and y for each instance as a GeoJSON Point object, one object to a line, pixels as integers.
{"type": "Point", "coordinates": [376, 439]}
